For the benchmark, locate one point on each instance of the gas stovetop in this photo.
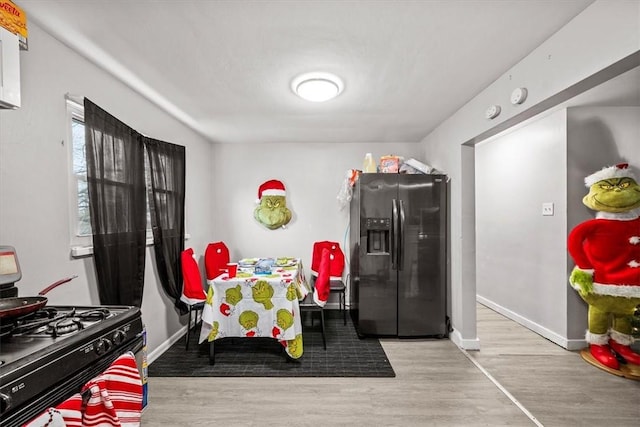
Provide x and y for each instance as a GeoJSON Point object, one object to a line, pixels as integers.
{"type": "Point", "coordinates": [59, 326]}
{"type": "Point", "coordinates": [45, 348]}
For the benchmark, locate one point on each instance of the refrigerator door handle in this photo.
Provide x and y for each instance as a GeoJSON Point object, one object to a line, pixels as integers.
{"type": "Point", "coordinates": [400, 241]}
{"type": "Point", "coordinates": [394, 234]}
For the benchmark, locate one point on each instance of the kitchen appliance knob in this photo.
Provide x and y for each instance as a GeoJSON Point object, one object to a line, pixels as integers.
{"type": "Point", "coordinates": [5, 403]}
{"type": "Point", "coordinates": [102, 346]}
{"type": "Point", "coordinates": [119, 337]}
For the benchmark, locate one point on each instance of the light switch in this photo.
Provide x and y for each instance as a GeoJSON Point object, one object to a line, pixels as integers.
{"type": "Point", "coordinates": [547, 209]}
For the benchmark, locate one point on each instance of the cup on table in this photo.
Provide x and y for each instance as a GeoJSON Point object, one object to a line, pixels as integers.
{"type": "Point", "coordinates": [232, 269]}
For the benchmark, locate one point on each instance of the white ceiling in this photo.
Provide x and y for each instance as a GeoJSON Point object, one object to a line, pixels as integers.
{"type": "Point", "coordinates": [224, 68]}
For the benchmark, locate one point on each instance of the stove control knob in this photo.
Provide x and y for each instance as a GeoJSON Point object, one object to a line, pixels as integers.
{"type": "Point", "coordinates": [119, 336]}
{"type": "Point", "coordinates": [5, 403]}
{"type": "Point", "coordinates": [103, 345]}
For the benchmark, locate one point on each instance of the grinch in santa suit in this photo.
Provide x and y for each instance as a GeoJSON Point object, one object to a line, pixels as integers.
{"type": "Point", "coordinates": [606, 251]}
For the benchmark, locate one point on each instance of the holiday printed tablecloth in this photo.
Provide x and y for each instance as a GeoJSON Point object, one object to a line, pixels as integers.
{"type": "Point", "coordinates": [257, 305]}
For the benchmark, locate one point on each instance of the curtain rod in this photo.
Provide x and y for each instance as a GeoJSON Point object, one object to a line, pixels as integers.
{"type": "Point", "coordinates": [76, 99]}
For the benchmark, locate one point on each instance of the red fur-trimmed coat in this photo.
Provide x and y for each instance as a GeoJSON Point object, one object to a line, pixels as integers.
{"type": "Point", "coordinates": [609, 246]}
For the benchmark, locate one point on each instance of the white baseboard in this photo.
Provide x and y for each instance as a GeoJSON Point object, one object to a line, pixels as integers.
{"type": "Point", "coordinates": [465, 344]}
{"type": "Point", "coordinates": [157, 352]}
{"type": "Point", "coordinates": [569, 344]}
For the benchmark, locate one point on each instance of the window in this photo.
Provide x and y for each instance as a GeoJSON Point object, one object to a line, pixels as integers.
{"type": "Point", "coordinates": [80, 220]}
{"type": "Point", "coordinates": [83, 221]}
{"type": "Point", "coordinates": [80, 216]}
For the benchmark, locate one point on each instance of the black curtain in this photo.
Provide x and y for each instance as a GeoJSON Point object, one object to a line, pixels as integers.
{"type": "Point", "coordinates": [116, 184]}
{"type": "Point", "coordinates": [166, 205]}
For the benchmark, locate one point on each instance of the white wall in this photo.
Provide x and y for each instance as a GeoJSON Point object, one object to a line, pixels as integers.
{"type": "Point", "coordinates": [605, 33]}
{"type": "Point", "coordinates": [34, 208]}
{"type": "Point", "coordinates": [521, 255]}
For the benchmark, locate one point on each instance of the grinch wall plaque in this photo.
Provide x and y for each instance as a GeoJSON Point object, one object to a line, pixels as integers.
{"type": "Point", "coordinates": [272, 211]}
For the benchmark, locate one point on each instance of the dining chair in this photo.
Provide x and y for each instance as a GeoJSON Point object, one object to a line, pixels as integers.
{"type": "Point", "coordinates": [315, 300]}
{"type": "Point", "coordinates": [192, 291]}
{"type": "Point", "coordinates": [216, 257]}
{"type": "Point", "coordinates": [336, 283]}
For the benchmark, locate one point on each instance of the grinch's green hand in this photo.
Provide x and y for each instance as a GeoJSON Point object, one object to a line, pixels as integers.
{"type": "Point", "coordinates": [291, 292]}
{"type": "Point", "coordinates": [582, 281]}
{"type": "Point", "coordinates": [248, 319]}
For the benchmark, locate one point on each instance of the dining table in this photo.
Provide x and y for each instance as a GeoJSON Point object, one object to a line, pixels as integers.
{"type": "Point", "coordinates": [261, 300]}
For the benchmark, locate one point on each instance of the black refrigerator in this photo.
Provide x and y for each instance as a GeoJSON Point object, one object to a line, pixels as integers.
{"type": "Point", "coordinates": [398, 255]}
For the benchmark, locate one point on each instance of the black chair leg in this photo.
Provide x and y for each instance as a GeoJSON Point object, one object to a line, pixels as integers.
{"type": "Point", "coordinates": [324, 339]}
{"type": "Point", "coordinates": [343, 300]}
{"type": "Point", "coordinates": [188, 329]}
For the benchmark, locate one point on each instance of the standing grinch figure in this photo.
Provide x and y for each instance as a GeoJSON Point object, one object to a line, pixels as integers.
{"type": "Point", "coordinates": [606, 251]}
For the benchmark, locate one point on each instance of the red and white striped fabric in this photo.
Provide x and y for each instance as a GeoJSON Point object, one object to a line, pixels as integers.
{"type": "Point", "coordinates": [116, 396]}
{"type": "Point", "coordinates": [70, 414]}
{"type": "Point", "coordinates": [114, 399]}
{"type": "Point", "coordinates": [71, 410]}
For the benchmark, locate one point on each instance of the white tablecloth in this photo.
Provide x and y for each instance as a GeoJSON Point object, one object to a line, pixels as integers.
{"type": "Point", "coordinates": [257, 305]}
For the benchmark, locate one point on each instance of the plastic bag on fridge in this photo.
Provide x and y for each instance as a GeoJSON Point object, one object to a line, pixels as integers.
{"type": "Point", "coordinates": [346, 189]}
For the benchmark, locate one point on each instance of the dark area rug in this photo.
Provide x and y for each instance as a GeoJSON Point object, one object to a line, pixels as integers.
{"type": "Point", "coordinates": [346, 355]}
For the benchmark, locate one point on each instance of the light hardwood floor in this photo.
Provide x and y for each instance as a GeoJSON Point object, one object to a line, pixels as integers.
{"type": "Point", "coordinates": [518, 379]}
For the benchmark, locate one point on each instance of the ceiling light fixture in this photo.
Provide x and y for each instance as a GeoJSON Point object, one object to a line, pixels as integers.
{"type": "Point", "coordinates": [317, 87]}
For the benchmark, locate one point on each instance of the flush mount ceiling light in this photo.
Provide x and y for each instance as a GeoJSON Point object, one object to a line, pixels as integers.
{"type": "Point", "coordinates": [317, 87]}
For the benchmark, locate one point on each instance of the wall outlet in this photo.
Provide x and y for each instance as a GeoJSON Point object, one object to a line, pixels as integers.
{"type": "Point", "coordinates": [547, 209]}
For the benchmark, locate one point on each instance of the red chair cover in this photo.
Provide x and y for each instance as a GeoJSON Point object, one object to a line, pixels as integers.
{"type": "Point", "coordinates": [216, 257]}
{"type": "Point", "coordinates": [336, 259]}
{"type": "Point", "coordinates": [192, 291]}
{"type": "Point", "coordinates": [321, 287]}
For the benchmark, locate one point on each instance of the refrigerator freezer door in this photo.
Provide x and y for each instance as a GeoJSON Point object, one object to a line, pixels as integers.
{"type": "Point", "coordinates": [378, 287]}
{"type": "Point", "coordinates": [422, 273]}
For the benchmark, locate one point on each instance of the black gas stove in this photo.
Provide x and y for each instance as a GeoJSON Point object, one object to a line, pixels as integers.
{"type": "Point", "coordinates": [47, 355]}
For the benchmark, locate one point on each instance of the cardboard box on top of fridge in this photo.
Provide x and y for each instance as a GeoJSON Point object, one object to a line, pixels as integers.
{"type": "Point", "coordinates": [419, 166]}
{"type": "Point", "coordinates": [389, 164]}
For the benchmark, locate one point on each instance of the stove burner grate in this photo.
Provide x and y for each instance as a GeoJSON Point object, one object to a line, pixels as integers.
{"type": "Point", "coordinates": [6, 328]}
{"type": "Point", "coordinates": [37, 322]}
{"type": "Point", "coordinates": [96, 314]}
{"type": "Point", "coordinates": [53, 321]}
{"type": "Point", "coordinates": [64, 326]}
